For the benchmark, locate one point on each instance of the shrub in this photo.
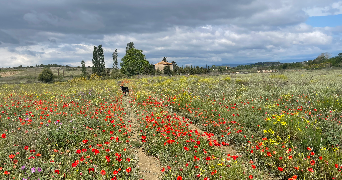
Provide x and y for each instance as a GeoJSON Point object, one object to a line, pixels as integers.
{"type": "Point", "coordinates": [46, 75]}
{"type": "Point", "coordinates": [116, 74]}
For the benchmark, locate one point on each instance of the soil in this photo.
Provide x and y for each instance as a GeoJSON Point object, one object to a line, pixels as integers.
{"type": "Point", "coordinates": [149, 167]}
{"type": "Point", "coordinates": [9, 73]}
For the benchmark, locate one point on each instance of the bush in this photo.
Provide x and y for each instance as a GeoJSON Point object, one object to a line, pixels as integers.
{"type": "Point", "coordinates": [116, 74]}
{"type": "Point", "coordinates": [167, 70]}
{"type": "Point", "coordinates": [46, 76]}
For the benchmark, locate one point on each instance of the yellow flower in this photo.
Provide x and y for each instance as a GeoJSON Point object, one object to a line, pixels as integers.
{"type": "Point", "coordinates": [271, 131]}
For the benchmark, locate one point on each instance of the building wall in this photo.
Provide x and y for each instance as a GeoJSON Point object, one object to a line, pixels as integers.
{"type": "Point", "coordinates": [161, 67]}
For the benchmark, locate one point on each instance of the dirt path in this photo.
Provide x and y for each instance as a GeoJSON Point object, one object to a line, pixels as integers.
{"type": "Point", "coordinates": [9, 73]}
{"type": "Point", "coordinates": [149, 167]}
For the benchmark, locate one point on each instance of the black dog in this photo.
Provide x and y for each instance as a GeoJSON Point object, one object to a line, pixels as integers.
{"type": "Point", "coordinates": [124, 90]}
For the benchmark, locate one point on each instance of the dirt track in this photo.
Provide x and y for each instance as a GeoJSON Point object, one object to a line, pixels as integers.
{"type": "Point", "coordinates": [149, 167]}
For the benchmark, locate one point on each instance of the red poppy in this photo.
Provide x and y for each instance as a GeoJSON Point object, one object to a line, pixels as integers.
{"type": "Point", "coordinates": [85, 141]}
{"type": "Point", "coordinates": [103, 172]}
{"type": "Point", "coordinates": [3, 135]}
{"type": "Point", "coordinates": [57, 171]}
{"type": "Point", "coordinates": [95, 151]}
{"type": "Point", "coordinates": [186, 148]}
{"type": "Point", "coordinates": [11, 156]}
{"type": "Point", "coordinates": [179, 178]}
{"type": "Point", "coordinates": [78, 151]}
{"type": "Point", "coordinates": [280, 169]}
{"type": "Point", "coordinates": [250, 177]}
{"type": "Point", "coordinates": [129, 169]}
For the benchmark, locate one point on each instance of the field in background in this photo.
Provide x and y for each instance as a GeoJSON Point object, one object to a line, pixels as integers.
{"type": "Point", "coordinates": [30, 75]}
{"type": "Point", "coordinates": [243, 126]}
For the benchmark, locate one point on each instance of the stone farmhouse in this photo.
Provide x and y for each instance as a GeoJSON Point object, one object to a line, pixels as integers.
{"type": "Point", "coordinates": [160, 66]}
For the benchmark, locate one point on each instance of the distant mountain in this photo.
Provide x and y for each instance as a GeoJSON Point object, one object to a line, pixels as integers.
{"type": "Point", "coordinates": [232, 65]}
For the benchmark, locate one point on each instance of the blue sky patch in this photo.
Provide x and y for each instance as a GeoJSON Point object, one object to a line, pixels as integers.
{"type": "Point", "coordinates": [323, 21]}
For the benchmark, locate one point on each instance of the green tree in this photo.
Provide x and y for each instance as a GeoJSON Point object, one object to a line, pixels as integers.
{"type": "Point", "coordinates": [46, 75]}
{"type": "Point", "coordinates": [115, 59]}
{"type": "Point", "coordinates": [84, 69]}
{"type": "Point", "coordinates": [134, 62]}
{"type": "Point", "coordinates": [175, 67]}
{"type": "Point", "coordinates": [150, 70]}
{"type": "Point", "coordinates": [129, 46]}
{"type": "Point", "coordinates": [167, 70]}
{"type": "Point", "coordinates": [98, 61]}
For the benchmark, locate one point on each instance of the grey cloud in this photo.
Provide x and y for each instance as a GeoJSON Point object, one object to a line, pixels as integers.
{"type": "Point", "coordinates": [31, 53]}
{"type": "Point", "coordinates": [53, 41]}
{"type": "Point", "coordinates": [193, 31]}
{"type": "Point", "coordinates": [6, 38]}
{"type": "Point", "coordinates": [29, 43]}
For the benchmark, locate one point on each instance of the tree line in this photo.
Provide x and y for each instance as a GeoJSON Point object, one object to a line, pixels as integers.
{"type": "Point", "coordinates": [134, 63]}
{"type": "Point", "coordinates": [324, 60]}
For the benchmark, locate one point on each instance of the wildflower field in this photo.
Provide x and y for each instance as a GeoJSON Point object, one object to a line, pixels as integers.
{"type": "Point", "coordinates": [251, 126]}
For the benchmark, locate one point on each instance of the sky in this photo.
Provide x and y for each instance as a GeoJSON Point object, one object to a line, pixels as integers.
{"type": "Point", "coordinates": [189, 32]}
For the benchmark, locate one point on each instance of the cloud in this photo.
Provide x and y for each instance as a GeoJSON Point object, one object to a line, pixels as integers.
{"type": "Point", "coordinates": [188, 32]}
{"type": "Point", "coordinates": [330, 9]}
{"type": "Point", "coordinates": [80, 20]}
{"type": "Point", "coordinates": [6, 38]}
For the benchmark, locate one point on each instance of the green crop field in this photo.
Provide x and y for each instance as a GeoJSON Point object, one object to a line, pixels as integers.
{"type": "Point", "coordinates": [243, 126]}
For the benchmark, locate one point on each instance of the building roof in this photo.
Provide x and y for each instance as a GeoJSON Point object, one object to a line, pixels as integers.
{"type": "Point", "coordinates": [164, 63]}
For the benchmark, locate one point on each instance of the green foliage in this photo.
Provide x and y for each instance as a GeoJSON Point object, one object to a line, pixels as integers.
{"type": "Point", "coordinates": [98, 61]}
{"type": "Point", "coordinates": [84, 69]}
{"type": "Point", "coordinates": [46, 75]}
{"type": "Point", "coordinates": [116, 74]}
{"type": "Point", "coordinates": [227, 79]}
{"type": "Point", "coordinates": [129, 46]}
{"type": "Point", "coordinates": [278, 76]}
{"type": "Point", "coordinates": [167, 70]}
{"type": "Point", "coordinates": [134, 62]}
{"type": "Point", "coordinates": [115, 59]}
{"type": "Point", "coordinates": [241, 81]}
